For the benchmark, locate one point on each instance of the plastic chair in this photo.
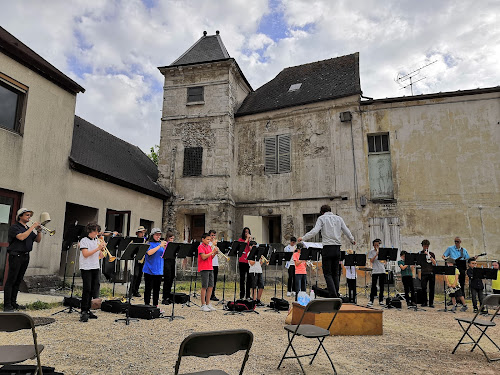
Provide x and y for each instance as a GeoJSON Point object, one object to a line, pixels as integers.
{"type": "Point", "coordinates": [493, 300]}
{"type": "Point", "coordinates": [207, 344]}
{"type": "Point", "coordinates": [10, 354]}
{"type": "Point", "coordinates": [317, 306]}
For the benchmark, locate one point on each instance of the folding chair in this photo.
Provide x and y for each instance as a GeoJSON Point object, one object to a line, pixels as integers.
{"type": "Point", "coordinates": [10, 354]}
{"type": "Point", "coordinates": [207, 344]}
{"type": "Point", "coordinates": [493, 300]}
{"type": "Point", "coordinates": [316, 306]}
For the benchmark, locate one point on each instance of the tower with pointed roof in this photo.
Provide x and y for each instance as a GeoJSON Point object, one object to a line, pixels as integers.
{"type": "Point", "coordinates": [203, 89]}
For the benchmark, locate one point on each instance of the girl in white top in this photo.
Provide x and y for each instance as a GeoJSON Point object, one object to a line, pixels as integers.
{"type": "Point", "coordinates": [90, 253]}
{"type": "Point", "coordinates": [350, 274]}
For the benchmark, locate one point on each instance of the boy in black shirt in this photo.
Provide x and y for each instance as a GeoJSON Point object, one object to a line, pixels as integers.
{"type": "Point", "coordinates": [476, 285]}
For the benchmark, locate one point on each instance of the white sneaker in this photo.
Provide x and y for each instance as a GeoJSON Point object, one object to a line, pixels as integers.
{"type": "Point", "coordinates": [211, 307]}
{"type": "Point", "coordinates": [205, 308]}
{"type": "Point", "coordinates": [288, 294]}
{"type": "Point", "coordinates": [381, 303]}
{"type": "Point", "coordinates": [293, 294]}
{"type": "Point", "coordinates": [369, 304]}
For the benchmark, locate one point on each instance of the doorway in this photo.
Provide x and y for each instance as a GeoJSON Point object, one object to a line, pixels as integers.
{"type": "Point", "coordinates": [197, 227]}
{"type": "Point", "coordinates": [10, 202]}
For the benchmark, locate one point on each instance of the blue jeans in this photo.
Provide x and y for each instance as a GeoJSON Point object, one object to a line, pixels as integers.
{"type": "Point", "coordinates": [300, 282]}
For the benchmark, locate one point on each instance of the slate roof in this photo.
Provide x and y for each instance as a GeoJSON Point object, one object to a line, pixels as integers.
{"type": "Point", "coordinates": [207, 48]}
{"type": "Point", "coordinates": [100, 154]}
{"type": "Point", "coordinates": [17, 50]}
{"type": "Point", "coordinates": [321, 80]}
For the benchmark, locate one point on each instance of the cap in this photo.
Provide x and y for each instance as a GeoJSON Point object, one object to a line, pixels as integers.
{"type": "Point", "coordinates": [140, 229]}
{"type": "Point", "coordinates": [22, 211]}
{"type": "Point", "coordinates": [155, 230]}
{"type": "Point", "coordinates": [450, 260]}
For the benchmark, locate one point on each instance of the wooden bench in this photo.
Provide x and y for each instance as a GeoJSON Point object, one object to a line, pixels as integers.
{"type": "Point", "coordinates": [352, 320]}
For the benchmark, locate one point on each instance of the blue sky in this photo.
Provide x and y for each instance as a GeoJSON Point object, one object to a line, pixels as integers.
{"type": "Point", "coordinates": [113, 47]}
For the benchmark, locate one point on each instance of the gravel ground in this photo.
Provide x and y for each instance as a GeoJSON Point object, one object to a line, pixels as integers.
{"type": "Point", "coordinates": [412, 343]}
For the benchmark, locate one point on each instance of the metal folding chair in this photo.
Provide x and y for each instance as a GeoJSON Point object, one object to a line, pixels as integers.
{"type": "Point", "coordinates": [493, 300]}
{"type": "Point", "coordinates": [207, 344]}
{"type": "Point", "coordinates": [317, 306]}
{"type": "Point", "coordinates": [10, 354]}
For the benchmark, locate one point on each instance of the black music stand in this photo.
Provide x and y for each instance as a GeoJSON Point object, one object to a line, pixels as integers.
{"type": "Point", "coordinates": [485, 273]}
{"type": "Point", "coordinates": [354, 260]}
{"type": "Point", "coordinates": [173, 252]}
{"type": "Point", "coordinates": [191, 250]}
{"type": "Point", "coordinates": [71, 308]}
{"type": "Point", "coordinates": [311, 254]}
{"type": "Point", "coordinates": [444, 270]}
{"type": "Point", "coordinates": [115, 245]}
{"type": "Point", "coordinates": [237, 249]}
{"type": "Point", "coordinates": [415, 259]}
{"type": "Point", "coordinates": [132, 251]}
{"type": "Point", "coordinates": [223, 247]}
{"type": "Point", "coordinates": [257, 252]}
{"type": "Point", "coordinates": [388, 254]}
{"type": "Point", "coordinates": [277, 258]}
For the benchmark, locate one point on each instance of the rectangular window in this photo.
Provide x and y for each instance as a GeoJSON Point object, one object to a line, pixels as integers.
{"type": "Point", "coordinates": [193, 157]}
{"type": "Point", "coordinates": [277, 154]}
{"type": "Point", "coordinates": [380, 167]}
{"type": "Point", "coordinates": [309, 223]}
{"type": "Point", "coordinates": [195, 94]}
{"type": "Point", "coordinates": [12, 99]}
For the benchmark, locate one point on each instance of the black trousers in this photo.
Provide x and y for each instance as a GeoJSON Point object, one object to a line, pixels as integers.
{"type": "Point", "coordinates": [18, 264]}
{"type": "Point", "coordinates": [351, 285]}
{"type": "Point", "coordinates": [90, 280]}
{"type": "Point", "coordinates": [152, 282]}
{"type": "Point", "coordinates": [428, 278]}
{"type": "Point", "coordinates": [291, 279]}
{"type": "Point", "coordinates": [244, 286]}
{"type": "Point", "coordinates": [331, 257]}
{"type": "Point", "coordinates": [216, 273]}
{"type": "Point", "coordinates": [461, 280]}
{"type": "Point", "coordinates": [381, 282]}
{"type": "Point", "coordinates": [475, 294]}
{"type": "Point", "coordinates": [137, 277]}
{"type": "Point", "coordinates": [409, 289]}
{"type": "Point", "coordinates": [168, 278]}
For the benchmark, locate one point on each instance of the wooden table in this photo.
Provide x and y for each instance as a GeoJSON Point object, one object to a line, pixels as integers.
{"type": "Point", "coordinates": [351, 320]}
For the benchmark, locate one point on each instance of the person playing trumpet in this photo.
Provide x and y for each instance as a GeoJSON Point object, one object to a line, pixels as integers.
{"type": "Point", "coordinates": [256, 279]}
{"type": "Point", "coordinates": [153, 267]}
{"type": "Point", "coordinates": [21, 238]}
{"type": "Point", "coordinates": [205, 268]}
{"type": "Point", "coordinates": [215, 261]}
{"type": "Point", "coordinates": [90, 253]}
{"type": "Point", "coordinates": [378, 274]}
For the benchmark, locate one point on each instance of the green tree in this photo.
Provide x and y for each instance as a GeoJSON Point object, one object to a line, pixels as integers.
{"type": "Point", "coordinates": [155, 150]}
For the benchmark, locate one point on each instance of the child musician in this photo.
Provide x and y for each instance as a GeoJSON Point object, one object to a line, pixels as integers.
{"type": "Point", "coordinates": [168, 275]}
{"type": "Point", "coordinates": [495, 284]}
{"type": "Point", "coordinates": [205, 255]}
{"type": "Point", "coordinates": [90, 253]}
{"type": "Point", "coordinates": [290, 266]}
{"type": "Point", "coordinates": [452, 282]}
{"type": "Point", "coordinates": [153, 267]}
{"type": "Point", "coordinates": [350, 275]}
{"type": "Point", "coordinates": [300, 269]}
{"type": "Point", "coordinates": [256, 279]}
{"type": "Point", "coordinates": [407, 279]}
{"type": "Point", "coordinates": [476, 284]}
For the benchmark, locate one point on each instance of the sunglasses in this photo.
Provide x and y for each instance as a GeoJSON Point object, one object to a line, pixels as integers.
{"type": "Point", "coordinates": [458, 241]}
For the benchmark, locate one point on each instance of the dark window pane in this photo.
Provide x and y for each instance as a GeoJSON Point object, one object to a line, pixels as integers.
{"type": "Point", "coordinates": [371, 143]}
{"type": "Point", "coordinates": [385, 142]}
{"type": "Point", "coordinates": [378, 143]}
{"type": "Point", "coordinates": [193, 157]}
{"type": "Point", "coordinates": [8, 108]}
{"type": "Point", "coordinates": [195, 94]}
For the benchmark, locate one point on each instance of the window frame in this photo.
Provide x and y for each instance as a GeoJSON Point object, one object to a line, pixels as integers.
{"type": "Point", "coordinates": [278, 154]}
{"type": "Point", "coordinates": [189, 96]}
{"type": "Point", "coordinates": [380, 136]}
{"type": "Point", "coordinates": [198, 169]}
{"type": "Point", "coordinates": [21, 91]}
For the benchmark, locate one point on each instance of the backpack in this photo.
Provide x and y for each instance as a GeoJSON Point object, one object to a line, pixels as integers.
{"type": "Point", "coordinates": [241, 305]}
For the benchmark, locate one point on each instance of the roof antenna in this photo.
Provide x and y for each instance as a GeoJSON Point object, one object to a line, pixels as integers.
{"type": "Point", "coordinates": [204, 33]}
{"type": "Point", "coordinates": [402, 78]}
{"type": "Point", "coordinates": [216, 32]}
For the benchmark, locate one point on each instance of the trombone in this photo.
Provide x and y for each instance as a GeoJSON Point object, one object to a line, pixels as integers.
{"type": "Point", "coordinates": [105, 250]}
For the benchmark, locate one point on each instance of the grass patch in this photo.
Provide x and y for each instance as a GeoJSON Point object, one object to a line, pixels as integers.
{"type": "Point", "coordinates": [38, 305]}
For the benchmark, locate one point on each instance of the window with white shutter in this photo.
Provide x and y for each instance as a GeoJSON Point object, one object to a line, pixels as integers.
{"type": "Point", "coordinates": [277, 154]}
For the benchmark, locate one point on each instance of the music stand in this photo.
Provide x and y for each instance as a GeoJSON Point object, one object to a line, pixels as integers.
{"type": "Point", "coordinates": [388, 254]}
{"type": "Point", "coordinates": [256, 253]}
{"type": "Point", "coordinates": [190, 249]}
{"type": "Point", "coordinates": [444, 270]}
{"type": "Point", "coordinates": [484, 273]}
{"type": "Point", "coordinates": [173, 252]}
{"type": "Point", "coordinates": [237, 249]}
{"type": "Point", "coordinates": [223, 247]}
{"type": "Point", "coordinates": [71, 308]}
{"type": "Point", "coordinates": [414, 259]}
{"type": "Point", "coordinates": [132, 251]}
{"type": "Point", "coordinates": [311, 254]}
{"type": "Point", "coordinates": [355, 260]}
{"type": "Point", "coordinates": [277, 258]}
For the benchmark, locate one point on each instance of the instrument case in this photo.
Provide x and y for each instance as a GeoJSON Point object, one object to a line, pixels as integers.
{"type": "Point", "coordinates": [181, 298]}
{"type": "Point", "coordinates": [114, 306]}
{"type": "Point", "coordinates": [72, 302]}
{"type": "Point", "coordinates": [144, 312]}
{"type": "Point", "coordinates": [279, 304]}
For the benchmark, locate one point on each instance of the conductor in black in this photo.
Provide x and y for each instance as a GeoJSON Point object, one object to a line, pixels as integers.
{"type": "Point", "coordinates": [21, 237]}
{"type": "Point", "coordinates": [331, 227]}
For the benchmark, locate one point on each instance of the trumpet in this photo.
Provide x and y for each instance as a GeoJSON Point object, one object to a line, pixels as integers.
{"type": "Point", "coordinates": [311, 264]}
{"type": "Point", "coordinates": [264, 259]}
{"type": "Point", "coordinates": [43, 229]}
{"type": "Point", "coordinates": [105, 251]}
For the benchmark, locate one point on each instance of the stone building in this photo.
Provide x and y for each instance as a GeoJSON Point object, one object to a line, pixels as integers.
{"type": "Point", "coordinates": [401, 169]}
{"type": "Point", "coordinates": [54, 161]}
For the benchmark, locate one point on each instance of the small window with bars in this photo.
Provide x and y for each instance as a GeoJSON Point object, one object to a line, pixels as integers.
{"type": "Point", "coordinates": [278, 154]}
{"type": "Point", "coordinates": [193, 157]}
{"type": "Point", "coordinates": [195, 94]}
{"type": "Point", "coordinates": [378, 143]}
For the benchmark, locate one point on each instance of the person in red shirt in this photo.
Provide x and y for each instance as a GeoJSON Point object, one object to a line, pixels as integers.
{"type": "Point", "coordinates": [243, 265]}
{"type": "Point", "coordinates": [206, 270]}
{"type": "Point", "coordinates": [300, 269]}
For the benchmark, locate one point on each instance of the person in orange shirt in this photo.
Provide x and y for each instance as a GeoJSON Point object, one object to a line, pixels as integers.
{"type": "Point", "coordinates": [300, 269]}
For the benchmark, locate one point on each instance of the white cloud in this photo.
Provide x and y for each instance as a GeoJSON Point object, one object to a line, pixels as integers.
{"type": "Point", "coordinates": [113, 48]}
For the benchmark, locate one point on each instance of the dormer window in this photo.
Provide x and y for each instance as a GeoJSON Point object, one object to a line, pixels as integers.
{"type": "Point", "coordinates": [195, 94]}
{"type": "Point", "coordinates": [294, 87]}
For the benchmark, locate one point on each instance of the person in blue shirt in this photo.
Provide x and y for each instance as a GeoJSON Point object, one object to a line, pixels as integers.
{"type": "Point", "coordinates": [458, 252]}
{"type": "Point", "coordinates": [153, 267]}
